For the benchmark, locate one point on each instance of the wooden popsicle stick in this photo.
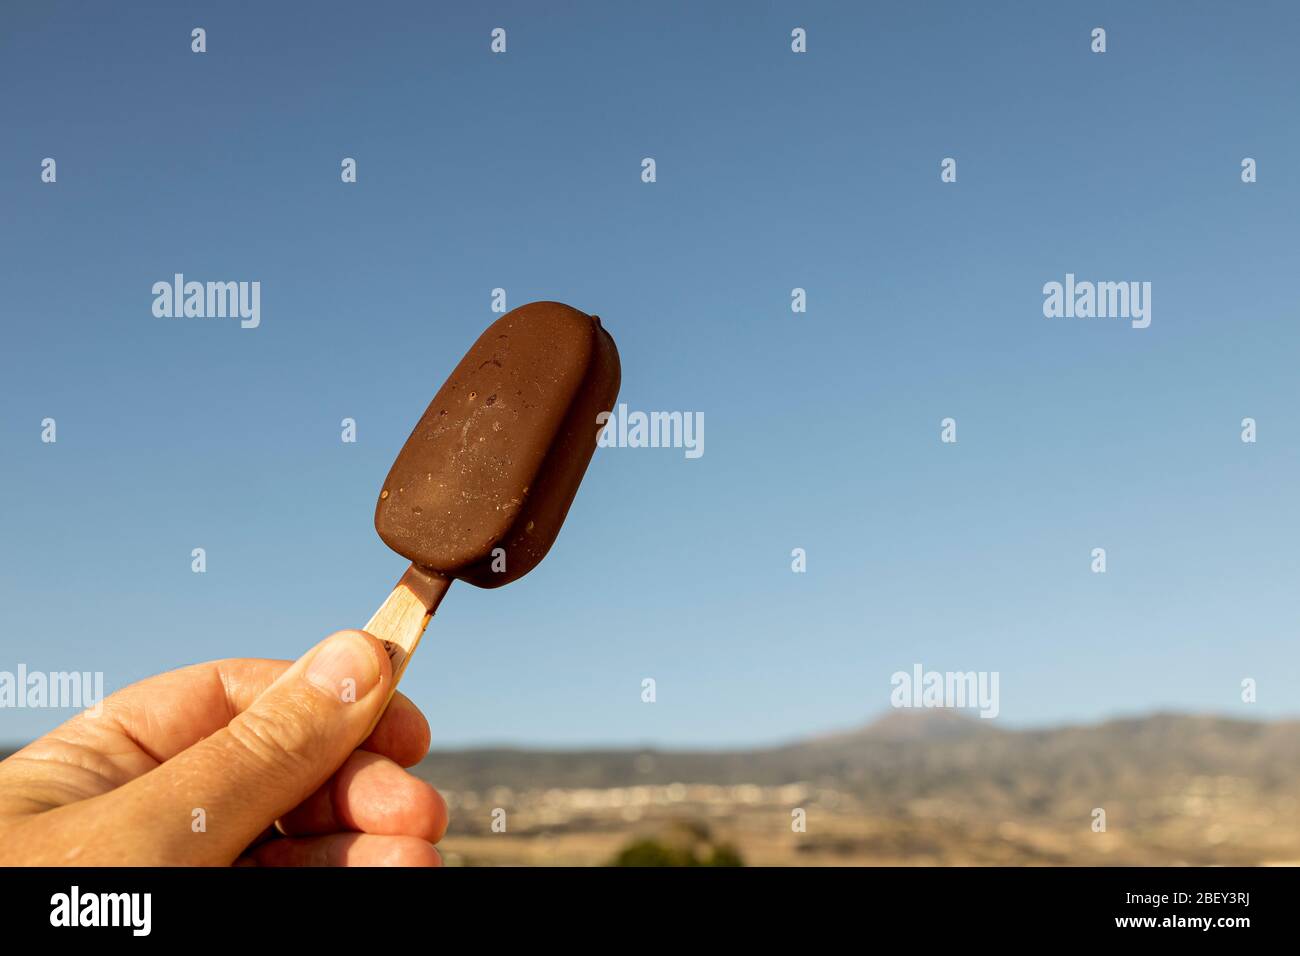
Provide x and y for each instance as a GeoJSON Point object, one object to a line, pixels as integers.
{"type": "Point", "coordinates": [402, 618]}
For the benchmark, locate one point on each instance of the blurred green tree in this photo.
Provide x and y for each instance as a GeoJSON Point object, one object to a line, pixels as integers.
{"type": "Point", "coordinates": [651, 852]}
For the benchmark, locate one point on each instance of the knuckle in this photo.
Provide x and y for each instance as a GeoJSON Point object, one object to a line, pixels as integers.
{"type": "Point", "coordinates": [277, 742]}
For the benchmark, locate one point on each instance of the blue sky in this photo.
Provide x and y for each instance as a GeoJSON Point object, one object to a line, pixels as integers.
{"type": "Point", "coordinates": [775, 171]}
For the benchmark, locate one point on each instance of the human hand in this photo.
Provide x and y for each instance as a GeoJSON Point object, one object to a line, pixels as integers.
{"type": "Point", "coordinates": [240, 745]}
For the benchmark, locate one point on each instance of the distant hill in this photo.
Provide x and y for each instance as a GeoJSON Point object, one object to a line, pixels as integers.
{"type": "Point", "coordinates": [914, 787]}
{"type": "Point", "coordinates": [909, 755]}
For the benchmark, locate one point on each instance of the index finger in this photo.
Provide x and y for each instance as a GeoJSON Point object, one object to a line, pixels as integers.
{"type": "Point", "coordinates": [168, 713]}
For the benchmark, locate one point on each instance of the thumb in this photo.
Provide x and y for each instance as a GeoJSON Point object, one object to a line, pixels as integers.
{"type": "Point", "coordinates": [269, 758]}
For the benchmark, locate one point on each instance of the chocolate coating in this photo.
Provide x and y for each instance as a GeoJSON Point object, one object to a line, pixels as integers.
{"type": "Point", "coordinates": [498, 455]}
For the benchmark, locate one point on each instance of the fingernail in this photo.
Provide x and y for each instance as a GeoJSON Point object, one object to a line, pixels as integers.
{"type": "Point", "coordinates": [345, 667]}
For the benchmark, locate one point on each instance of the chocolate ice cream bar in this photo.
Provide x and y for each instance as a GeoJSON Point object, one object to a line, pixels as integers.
{"type": "Point", "coordinates": [480, 489]}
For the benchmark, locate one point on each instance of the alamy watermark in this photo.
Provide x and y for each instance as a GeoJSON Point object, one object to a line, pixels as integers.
{"type": "Point", "coordinates": [209, 300]}
{"type": "Point", "coordinates": [133, 911]}
{"type": "Point", "coordinates": [73, 690]}
{"type": "Point", "coordinates": [623, 429]}
{"type": "Point", "coordinates": [957, 689]}
{"type": "Point", "coordinates": [1098, 300]}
